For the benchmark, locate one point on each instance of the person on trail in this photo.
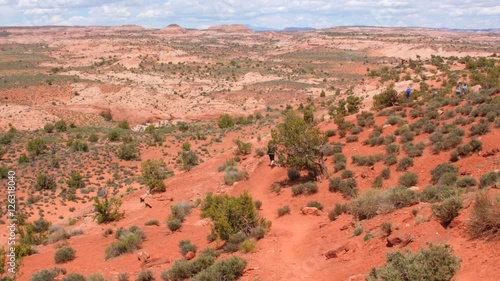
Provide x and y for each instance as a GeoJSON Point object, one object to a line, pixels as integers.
{"type": "Point", "coordinates": [458, 90]}
{"type": "Point", "coordinates": [271, 150]}
{"type": "Point", "coordinates": [435, 94]}
{"type": "Point", "coordinates": [464, 89]}
{"type": "Point", "coordinates": [408, 92]}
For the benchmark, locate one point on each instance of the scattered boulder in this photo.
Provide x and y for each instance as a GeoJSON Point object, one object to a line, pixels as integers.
{"type": "Point", "coordinates": [154, 262]}
{"type": "Point", "coordinates": [357, 277]}
{"type": "Point", "coordinates": [190, 255]}
{"type": "Point", "coordinates": [202, 222]}
{"type": "Point", "coordinates": [311, 211]}
{"type": "Point", "coordinates": [143, 256]}
{"type": "Point", "coordinates": [415, 188]}
{"type": "Point", "coordinates": [400, 238]}
{"type": "Point", "coordinates": [337, 251]}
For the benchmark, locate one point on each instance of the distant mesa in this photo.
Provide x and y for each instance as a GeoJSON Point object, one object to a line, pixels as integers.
{"type": "Point", "coordinates": [128, 27]}
{"type": "Point", "coordinates": [232, 28]}
{"type": "Point", "coordinates": [173, 29]}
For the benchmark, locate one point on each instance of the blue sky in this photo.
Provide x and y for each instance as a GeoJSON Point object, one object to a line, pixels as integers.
{"type": "Point", "coordinates": [263, 13]}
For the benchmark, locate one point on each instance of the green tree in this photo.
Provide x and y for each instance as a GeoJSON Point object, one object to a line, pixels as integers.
{"type": "Point", "coordinates": [128, 151]}
{"type": "Point", "coordinates": [36, 146]}
{"type": "Point", "coordinates": [75, 180]}
{"type": "Point", "coordinates": [153, 174]}
{"type": "Point", "coordinates": [353, 104]}
{"type": "Point", "coordinates": [387, 98]}
{"type": "Point", "coordinates": [45, 182]}
{"type": "Point", "coordinates": [302, 144]}
{"type": "Point", "coordinates": [232, 214]}
{"type": "Point", "coordinates": [225, 121]}
{"type": "Point", "coordinates": [107, 210]}
{"type": "Point", "coordinates": [61, 126]}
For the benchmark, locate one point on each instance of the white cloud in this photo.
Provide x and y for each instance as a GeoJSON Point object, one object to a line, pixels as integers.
{"type": "Point", "coordinates": [276, 13]}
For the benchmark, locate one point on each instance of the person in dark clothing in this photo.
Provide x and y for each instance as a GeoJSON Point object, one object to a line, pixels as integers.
{"type": "Point", "coordinates": [408, 92]}
{"type": "Point", "coordinates": [271, 150]}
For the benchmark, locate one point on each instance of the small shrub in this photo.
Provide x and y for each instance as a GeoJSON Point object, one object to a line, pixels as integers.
{"type": "Point", "coordinates": [74, 277]}
{"type": "Point", "coordinates": [386, 228]}
{"type": "Point", "coordinates": [46, 274]}
{"type": "Point", "coordinates": [489, 179]}
{"type": "Point", "coordinates": [285, 210]}
{"type": "Point", "coordinates": [437, 193]}
{"type": "Point", "coordinates": [358, 230]}
{"type": "Point", "coordinates": [447, 210]}
{"type": "Point", "coordinates": [229, 269]}
{"type": "Point", "coordinates": [348, 187]}
{"type": "Point", "coordinates": [485, 217]}
{"type": "Point", "coordinates": [434, 264]}
{"type": "Point", "coordinates": [107, 210]}
{"type": "Point", "coordinates": [123, 276]}
{"type": "Point", "coordinates": [45, 182]}
{"type": "Point", "coordinates": [225, 165]}
{"type": "Point", "coordinates": [259, 152]}
{"type": "Point", "coordinates": [128, 152]}
{"type": "Point", "coordinates": [337, 211]}
{"type": "Point", "coordinates": [36, 146]}
{"type": "Point", "coordinates": [232, 175]}
{"type": "Point", "coordinates": [174, 224]}
{"type": "Point", "coordinates": [441, 169]}
{"type": "Point", "coordinates": [404, 164]}
{"type": "Point", "coordinates": [390, 159]}
{"type": "Point", "coordinates": [351, 139]}
{"type": "Point", "coordinates": [386, 173]}
{"type": "Point", "coordinates": [49, 128]}
{"type": "Point", "coordinates": [145, 275]}
{"type": "Point", "coordinates": [257, 204]}
{"type": "Point", "coordinates": [65, 254]}
{"type": "Point", "coordinates": [307, 188]}
{"type": "Point", "coordinates": [315, 204]}
{"type": "Point", "coordinates": [448, 179]}
{"type": "Point", "coordinates": [225, 121]}
{"type": "Point", "coordinates": [347, 174]}
{"type": "Point", "coordinates": [243, 148]}
{"type": "Point", "coordinates": [248, 246]}
{"type": "Point", "coordinates": [185, 247]}
{"type": "Point", "coordinates": [408, 179]}
{"type": "Point", "coordinates": [293, 174]}
{"type": "Point", "coordinates": [466, 181]}
{"type": "Point", "coordinates": [93, 138]}
{"type": "Point", "coordinates": [377, 183]}
{"type": "Point", "coordinates": [61, 126]}
{"type": "Point", "coordinates": [482, 128]}
{"type": "Point", "coordinates": [392, 148]}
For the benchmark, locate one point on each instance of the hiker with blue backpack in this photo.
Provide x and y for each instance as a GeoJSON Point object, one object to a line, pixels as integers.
{"type": "Point", "coordinates": [408, 92]}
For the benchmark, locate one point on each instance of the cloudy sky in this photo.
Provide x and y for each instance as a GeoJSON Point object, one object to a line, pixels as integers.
{"type": "Point", "coordinates": [262, 13]}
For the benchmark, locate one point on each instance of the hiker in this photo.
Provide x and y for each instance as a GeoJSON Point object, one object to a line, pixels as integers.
{"type": "Point", "coordinates": [271, 149]}
{"type": "Point", "coordinates": [464, 89]}
{"type": "Point", "coordinates": [408, 92]}
{"type": "Point", "coordinates": [458, 90]}
{"type": "Point", "coordinates": [435, 94]}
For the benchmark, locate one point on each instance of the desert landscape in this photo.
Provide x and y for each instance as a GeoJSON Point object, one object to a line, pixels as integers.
{"type": "Point", "coordinates": [132, 153]}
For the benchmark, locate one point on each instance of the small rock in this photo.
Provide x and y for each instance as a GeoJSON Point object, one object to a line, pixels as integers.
{"type": "Point", "coordinates": [311, 211]}
{"type": "Point", "coordinates": [202, 222]}
{"type": "Point", "coordinates": [337, 251]}
{"type": "Point", "coordinates": [189, 255]}
{"type": "Point", "coordinates": [399, 238]}
{"type": "Point", "coordinates": [358, 277]}
{"type": "Point", "coordinates": [387, 126]}
{"type": "Point", "coordinates": [415, 188]}
{"type": "Point", "coordinates": [143, 256]}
